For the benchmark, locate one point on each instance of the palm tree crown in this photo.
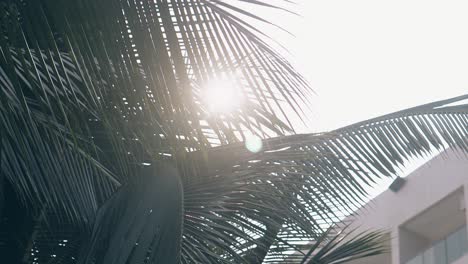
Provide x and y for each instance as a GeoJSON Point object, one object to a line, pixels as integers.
{"type": "Point", "coordinates": [111, 150]}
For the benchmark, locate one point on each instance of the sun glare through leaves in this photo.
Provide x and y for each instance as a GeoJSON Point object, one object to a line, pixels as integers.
{"type": "Point", "coordinates": [222, 96]}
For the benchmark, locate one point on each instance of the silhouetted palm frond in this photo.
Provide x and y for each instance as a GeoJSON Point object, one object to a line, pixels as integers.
{"type": "Point", "coordinates": [105, 129]}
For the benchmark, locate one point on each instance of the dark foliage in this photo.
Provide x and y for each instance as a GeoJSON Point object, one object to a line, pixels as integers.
{"type": "Point", "coordinates": [92, 92]}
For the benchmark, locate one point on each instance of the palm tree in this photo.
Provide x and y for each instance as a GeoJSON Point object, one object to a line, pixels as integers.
{"type": "Point", "coordinates": [111, 154]}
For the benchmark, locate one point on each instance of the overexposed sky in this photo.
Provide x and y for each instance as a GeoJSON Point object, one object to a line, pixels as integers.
{"type": "Point", "coordinates": [366, 58]}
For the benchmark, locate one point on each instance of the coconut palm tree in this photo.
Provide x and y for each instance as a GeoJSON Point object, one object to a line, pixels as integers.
{"type": "Point", "coordinates": [113, 152]}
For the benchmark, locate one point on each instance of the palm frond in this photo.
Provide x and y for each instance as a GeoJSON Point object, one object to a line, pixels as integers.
{"type": "Point", "coordinates": [141, 222]}
{"type": "Point", "coordinates": [43, 150]}
{"type": "Point", "coordinates": [305, 183]}
{"type": "Point", "coordinates": [70, 75]}
{"type": "Point", "coordinates": [112, 89]}
{"type": "Point", "coordinates": [87, 97]}
{"type": "Point", "coordinates": [342, 248]}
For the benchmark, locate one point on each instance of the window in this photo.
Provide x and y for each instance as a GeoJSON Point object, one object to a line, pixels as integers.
{"type": "Point", "coordinates": [444, 251]}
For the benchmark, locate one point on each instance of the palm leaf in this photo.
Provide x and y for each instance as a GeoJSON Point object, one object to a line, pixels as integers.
{"type": "Point", "coordinates": [87, 96]}
{"type": "Point", "coordinates": [341, 248]}
{"type": "Point", "coordinates": [252, 208]}
{"type": "Point", "coordinates": [328, 174]}
{"type": "Point", "coordinates": [141, 223]}
{"type": "Point", "coordinates": [126, 85]}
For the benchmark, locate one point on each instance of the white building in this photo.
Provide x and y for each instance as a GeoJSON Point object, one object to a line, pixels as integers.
{"type": "Point", "coordinates": [426, 216]}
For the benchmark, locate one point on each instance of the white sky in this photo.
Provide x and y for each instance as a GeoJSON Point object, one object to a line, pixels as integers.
{"type": "Point", "coordinates": [366, 58]}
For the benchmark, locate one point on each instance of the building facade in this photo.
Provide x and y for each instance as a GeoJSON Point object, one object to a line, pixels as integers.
{"type": "Point", "coordinates": [425, 214]}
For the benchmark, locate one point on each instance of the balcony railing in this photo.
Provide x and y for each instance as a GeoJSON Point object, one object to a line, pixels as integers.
{"type": "Point", "coordinates": [444, 251]}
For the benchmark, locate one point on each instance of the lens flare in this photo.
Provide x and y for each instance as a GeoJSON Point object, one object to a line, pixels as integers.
{"type": "Point", "coordinates": [253, 143]}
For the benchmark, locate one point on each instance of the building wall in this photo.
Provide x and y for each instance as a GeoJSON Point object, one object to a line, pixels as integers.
{"type": "Point", "coordinates": [427, 185]}
{"type": "Point", "coordinates": [410, 242]}
{"type": "Point", "coordinates": [462, 260]}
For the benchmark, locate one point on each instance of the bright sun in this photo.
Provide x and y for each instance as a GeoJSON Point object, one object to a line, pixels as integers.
{"type": "Point", "coordinates": [222, 96]}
